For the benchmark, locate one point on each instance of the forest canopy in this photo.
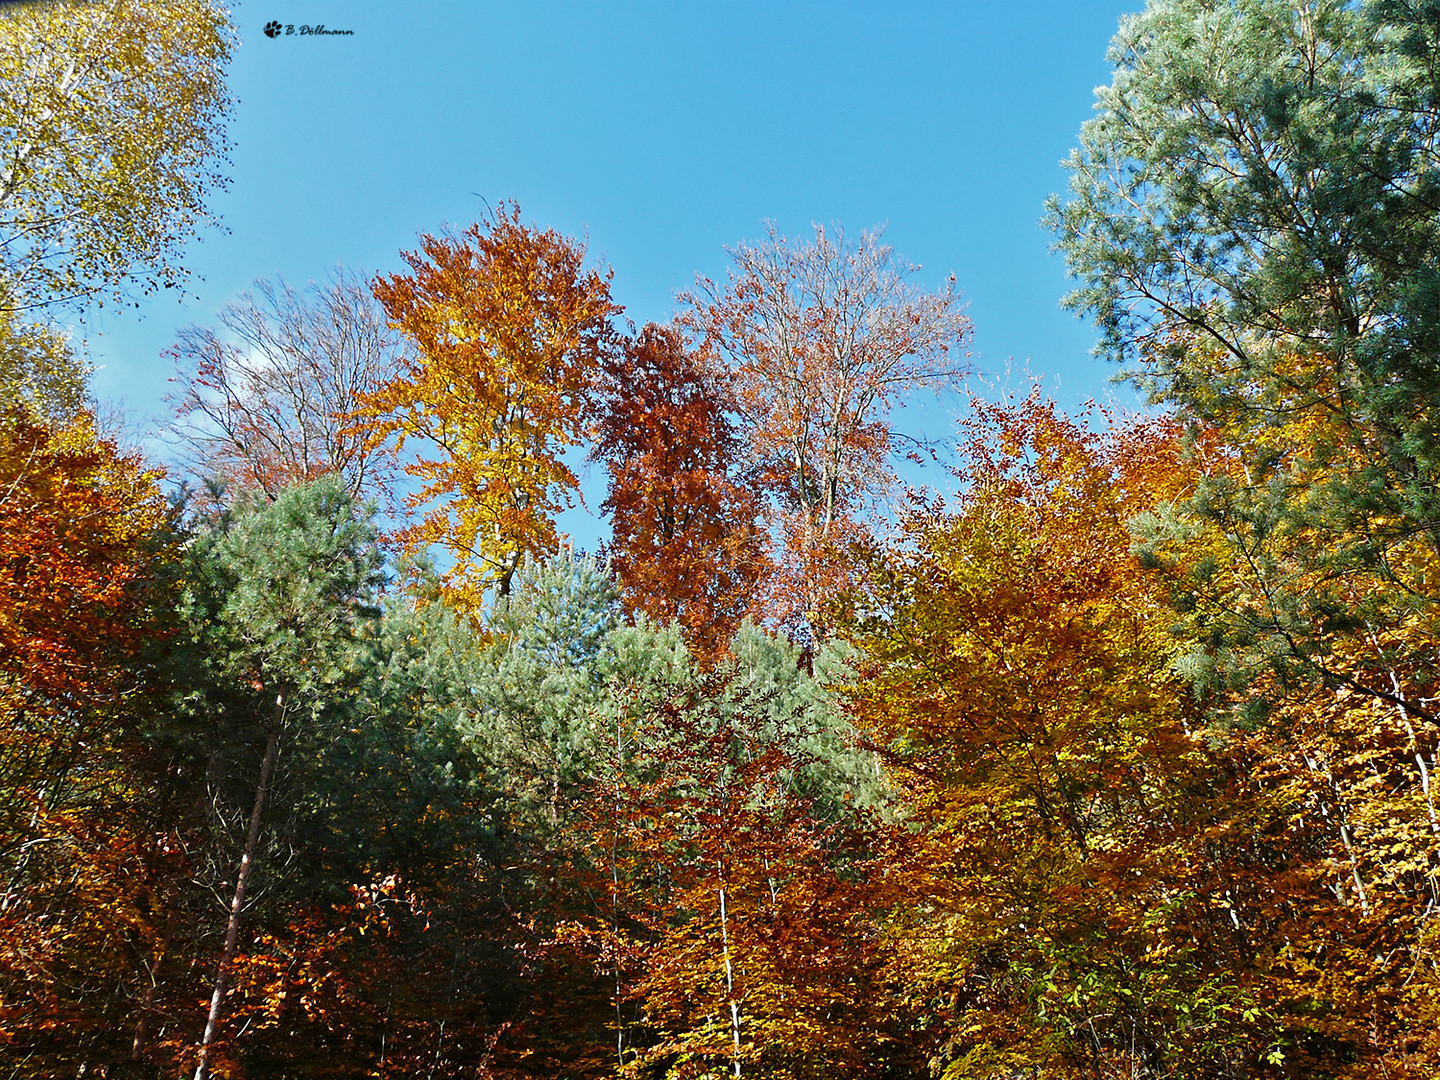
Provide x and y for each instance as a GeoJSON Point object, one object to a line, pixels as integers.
{"type": "Point", "coordinates": [326, 753]}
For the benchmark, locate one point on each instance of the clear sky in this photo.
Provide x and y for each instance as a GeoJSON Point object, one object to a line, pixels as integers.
{"type": "Point", "coordinates": [662, 131]}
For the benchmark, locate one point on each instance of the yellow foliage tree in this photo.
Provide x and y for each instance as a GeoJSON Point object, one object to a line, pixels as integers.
{"type": "Point", "coordinates": [111, 135]}
{"type": "Point", "coordinates": [508, 330]}
{"type": "Point", "coordinates": [1308, 589]}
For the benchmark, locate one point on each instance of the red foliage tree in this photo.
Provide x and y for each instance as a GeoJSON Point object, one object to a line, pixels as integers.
{"type": "Point", "coordinates": [686, 543]}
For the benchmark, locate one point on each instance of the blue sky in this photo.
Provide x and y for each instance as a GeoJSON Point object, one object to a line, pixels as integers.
{"type": "Point", "coordinates": [662, 132]}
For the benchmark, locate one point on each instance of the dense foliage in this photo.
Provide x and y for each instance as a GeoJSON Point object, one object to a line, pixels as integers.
{"type": "Point", "coordinates": [1118, 760]}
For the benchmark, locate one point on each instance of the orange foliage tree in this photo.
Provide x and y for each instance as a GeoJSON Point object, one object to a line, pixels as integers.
{"type": "Point", "coordinates": [1309, 596]}
{"type": "Point", "coordinates": [734, 915]}
{"type": "Point", "coordinates": [686, 543]}
{"type": "Point", "coordinates": [83, 861]}
{"type": "Point", "coordinates": [1098, 882]}
{"type": "Point", "coordinates": [821, 341]}
{"type": "Point", "coordinates": [1147, 845]}
{"type": "Point", "coordinates": [508, 331]}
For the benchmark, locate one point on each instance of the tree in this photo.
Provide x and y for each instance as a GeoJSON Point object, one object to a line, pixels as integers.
{"type": "Point", "coordinates": [745, 916]}
{"type": "Point", "coordinates": [1328, 656]}
{"type": "Point", "coordinates": [277, 597]}
{"type": "Point", "coordinates": [379, 940]}
{"type": "Point", "coordinates": [721, 881]}
{"type": "Point", "coordinates": [269, 408]}
{"type": "Point", "coordinates": [1253, 224]}
{"type": "Point", "coordinates": [82, 595]}
{"type": "Point", "coordinates": [686, 543]}
{"type": "Point", "coordinates": [560, 661]}
{"type": "Point", "coordinates": [822, 339]}
{"type": "Point", "coordinates": [78, 518]}
{"type": "Point", "coordinates": [557, 694]}
{"type": "Point", "coordinates": [1096, 885]}
{"type": "Point", "coordinates": [112, 120]}
{"type": "Point", "coordinates": [508, 330]}
{"type": "Point", "coordinates": [40, 372]}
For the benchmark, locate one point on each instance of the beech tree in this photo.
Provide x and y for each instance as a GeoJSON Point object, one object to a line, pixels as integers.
{"type": "Point", "coordinates": [686, 543]}
{"type": "Point", "coordinates": [820, 341]}
{"type": "Point", "coordinates": [507, 331]}
{"type": "Point", "coordinates": [744, 914]}
{"type": "Point", "coordinates": [82, 843]}
{"type": "Point", "coordinates": [1096, 879]}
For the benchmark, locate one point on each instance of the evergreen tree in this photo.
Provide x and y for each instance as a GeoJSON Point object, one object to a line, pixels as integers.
{"type": "Point", "coordinates": [278, 601]}
{"type": "Point", "coordinates": [1253, 225]}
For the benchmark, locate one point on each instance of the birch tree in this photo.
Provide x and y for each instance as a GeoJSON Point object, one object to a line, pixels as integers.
{"type": "Point", "coordinates": [112, 138]}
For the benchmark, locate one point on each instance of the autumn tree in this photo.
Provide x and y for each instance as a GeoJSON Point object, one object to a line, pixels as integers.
{"type": "Point", "coordinates": [39, 371]}
{"type": "Point", "coordinates": [264, 404]}
{"type": "Point", "coordinates": [1319, 636]}
{"type": "Point", "coordinates": [758, 958]}
{"type": "Point", "coordinates": [112, 137]}
{"type": "Point", "coordinates": [1252, 227]}
{"type": "Point", "coordinates": [1096, 884]}
{"type": "Point", "coordinates": [507, 330]}
{"type": "Point", "coordinates": [821, 341]}
{"type": "Point", "coordinates": [1123, 861]}
{"type": "Point", "coordinates": [83, 566]}
{"type": "Point", "coordinates": [686, 542]}
{"type": "Point", "coordinates": [723, 856]}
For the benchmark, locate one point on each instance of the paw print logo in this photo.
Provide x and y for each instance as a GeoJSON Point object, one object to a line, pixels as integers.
{"type": "Point", "coordinates": [272, 29]}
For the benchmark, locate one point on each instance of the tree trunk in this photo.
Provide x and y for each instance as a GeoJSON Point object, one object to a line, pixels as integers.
{"type": "Point", "coordinates": [147, 1004]}
{"type": "Point", "coordinates": [232, 929]}
{"type": "Point", "coordinates": [729, 977]}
